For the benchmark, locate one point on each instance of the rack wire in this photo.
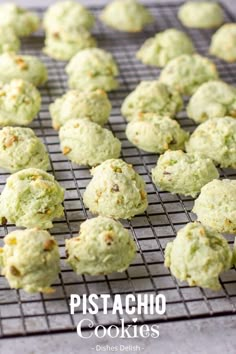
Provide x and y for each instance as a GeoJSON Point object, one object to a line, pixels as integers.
{"type": "Point", "coordinates": [24, 314]}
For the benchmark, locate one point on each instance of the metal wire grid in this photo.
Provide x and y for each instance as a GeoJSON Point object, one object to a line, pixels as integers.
{"type": "Point", "coordinates": [24, 314]}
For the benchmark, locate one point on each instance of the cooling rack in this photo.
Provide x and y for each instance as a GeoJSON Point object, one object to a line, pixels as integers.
{"type": "Point", "coordinates": [22, 314]}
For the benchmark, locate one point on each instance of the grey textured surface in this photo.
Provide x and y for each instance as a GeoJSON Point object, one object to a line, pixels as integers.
{"type": "Point", "coordinates": [213, 336]}
{"type": "Point", "coordinates": [216, 335]}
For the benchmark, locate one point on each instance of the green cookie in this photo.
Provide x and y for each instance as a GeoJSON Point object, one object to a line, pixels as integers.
{"type": "Point", "coordinates": [201, 14]}
{"type": "Point", "coordinates": [30, 260]}
{"type": "Point", "coordinates": [20, 102]}
{"type": "Point", "coordinates": [25, 67]}
{"type": "Point", "coordinates": [126, 15]}
{"type": "Point", "coordinates": [151, 97]}
{"type": "Point", "coordinates": [166, 45]}
{"type": "Point", "coordinates": [87, 143]}
{"type": "Point", "coordinates": [31, 198]}
{"type": "Point", "coordinates": [20, 148]}
{"type": "Point", "coordinates": [92, 69]}
{"type": "Point", "coordinates": [178, 172]}
{"type": "Point", "coordinates": [223, 43]}
{"type": "Point", "coordinates": [216, 205]}
{"type": "Point", "coordinates": [211, 100]}
{"type": "Point", "coordinates": [198, 255]}
{"type": "Point", "coordinates": [215, 139]}
{"type": "Point", "coordinates": [103, 246]}
{"type": "Point", "coordinates": [64, 45]}
{"type": "Point", "coordinates": [67, 15]}
{"type": "Point", "coordinates": [187, 72]}
{"type": "Point", "coordinates": [115, 190]}
{"type": "Point", "coordinates": [154, 133]}
{"type": "Point", "coordinates": [93, 105]}
{"type": "Point", "coordinates": [23, 22]}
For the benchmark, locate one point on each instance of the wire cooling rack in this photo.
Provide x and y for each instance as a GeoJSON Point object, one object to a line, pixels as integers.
{"type": "Point", "coordinates": [24, 314]}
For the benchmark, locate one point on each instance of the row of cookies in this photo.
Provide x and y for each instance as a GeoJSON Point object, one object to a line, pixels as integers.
{"type": "Point", "coordinates": [67, 26]}
{"type": "Point", "coordinates": [171, 43]}
{"type": "Point", "coordinates": [32, 207]}
{"type": "Point", "coordinates": [65, 36]}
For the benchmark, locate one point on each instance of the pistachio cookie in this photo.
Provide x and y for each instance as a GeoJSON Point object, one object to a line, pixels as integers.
{"type": "Point", "coordinates": [64, 45]}
{"type": "Point", "coordinates": [93, 105]}
{"type": "Point", "coordinates": [25, 67]}
{"type": "Point", "coordinates": [87, 143]}
{"type": "Point", "coordinates": [223, 43]}
{"type": "Point", "coordinates": [187, 72]}
{"type": "Point", "coordinates": [67, 15]}
{"type": "Point", "coordinates": [198, 255]}
{"type": "Point", "coordinates": [153, 133]}
{"type": "Point", "coordinates": [115, 190]}
{"type": "Point", "coordinates": [152, 97]}
{"type": "Point", "coordinates": [9, 42]}
{"type": "Point", "coordinates": [30, 260]}
{"type": "Point", "coordinates": [166, 45]}
{"type": "Point", "coordinates": [103, 246]}
{"type": "Point", "coordinates": [92, 69]}
{"type": "Point", "coordinates": [211, 100]}
{"type": "Point", "coordinates": [22, 22]}
{"type": "Point", "coordinates": [178, 172]}
{"type": "Point", "coordinates": [20, 102]}
{"type": "Point", "coordinates": [126, 15]}
{"type": "Point", "coordinates": [216, 139]}
{"type": "Point", "coordinates": [216, 205]}
{"type": "Point", "coordinates": [31, 198]}
{"type": "Point", "coordinates": [20, 148]}
{"type": "Point", "coordinates": [201, 14]}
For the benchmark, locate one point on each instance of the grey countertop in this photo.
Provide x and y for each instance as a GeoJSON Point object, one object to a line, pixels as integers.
{"type": "Point", "coordinates": [215, 335]}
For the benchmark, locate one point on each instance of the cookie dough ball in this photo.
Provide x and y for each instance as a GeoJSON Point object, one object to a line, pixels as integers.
{"type": "Point", "coordinates": [211, 100]}
{"type": "Point", "coordinates": [126, 15]}
{"type": "Point", "coordinates": [215, 139]}
{"type": "Point", "coordinates": [198, 255]}
{"type": "Point", "coordinates": [31, 198]}
{"type": "Point", "coordinates": [178, 172]}
{"type": "Point", "coordinates": [103, 246]}
{"type": "Point", "coordinates": [64, 45]}
{"type": "Point", "coordinates": [67, 15]}
{"type": "Point", "coordinates": [223, 43]}
{"type": "Point", "coordinates": [20, 102]}
{"type": "Point", "coordinates": [9, 42]}
{"type": "Point", "coordinates": [30, 260]}
{"type": "Point", "coordinates": [216, 205]}
{"type": "Point", "coordinates": [93, 105]}
{"type": "Point", "coordinates": [20, 148]}
{"type": "Point", "coordinates": [92, 69]}
{"type": "Point", "coordinates": [204, 14]}
{"type": "Point", "coordinates": [152, 97]}
{"type": "Point", "coordinates": [87, 143]}
{"type": "Point", "coordinates": [166, 45]}
{"type": "Point", "coordinates": [25, 67]}
{"type": "Point", "coordinates": [116, 190]}
{"type": "Point", "coordinates": [156, 134]}
{"type": "Point", "coordinates": [22, 21]}
{"type": "Point", "coordinates": [187, 72]}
